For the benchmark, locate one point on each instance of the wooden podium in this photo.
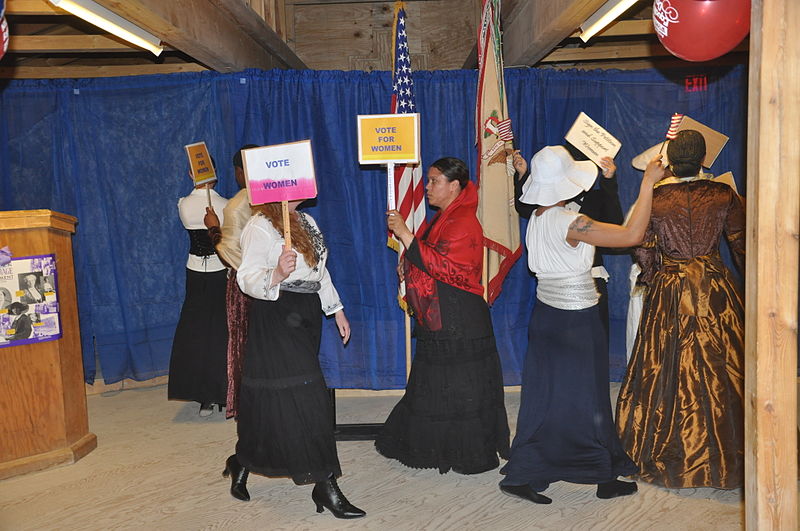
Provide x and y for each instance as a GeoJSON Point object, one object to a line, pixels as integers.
{"type": "Point", "coordinates": [41, 384]}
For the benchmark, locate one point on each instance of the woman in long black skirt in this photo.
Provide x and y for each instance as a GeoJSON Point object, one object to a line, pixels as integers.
{"type": "Point", "coordinates": [565, 431]}
{"type": "Point", "coordinates": [452, 416]}
{"type": "Point", "coordinates": [285, 412]}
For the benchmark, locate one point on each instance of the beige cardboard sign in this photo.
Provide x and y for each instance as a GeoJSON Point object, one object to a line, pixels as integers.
{"type": "Point", "coordinates": [715, 141]}
{"type": "Point", "coordinates": [591, 139]}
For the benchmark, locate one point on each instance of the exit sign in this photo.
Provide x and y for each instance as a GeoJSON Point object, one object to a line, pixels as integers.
{"type": "Point", "coordinates": [698, 83]}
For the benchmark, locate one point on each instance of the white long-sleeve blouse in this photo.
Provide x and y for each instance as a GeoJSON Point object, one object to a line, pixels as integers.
{"type": "Point", "coordinates": [262, 245]}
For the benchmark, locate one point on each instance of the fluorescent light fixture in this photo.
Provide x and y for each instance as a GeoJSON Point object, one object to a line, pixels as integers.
{"type": "Point", "coordinates": [106, 19]}
{"type": "Point", "coordinates": [603, 17]}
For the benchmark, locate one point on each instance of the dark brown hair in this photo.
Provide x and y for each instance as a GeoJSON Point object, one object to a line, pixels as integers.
{"type": "Point", "coordinates": [454, 169]}
{"type": "Point", "coordinates": [686, 152]}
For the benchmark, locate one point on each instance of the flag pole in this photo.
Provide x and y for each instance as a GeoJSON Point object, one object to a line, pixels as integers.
{"type": "Point", "coordinates": [485, 274]}
{"type": "Point", "coordinates": [408, 345]}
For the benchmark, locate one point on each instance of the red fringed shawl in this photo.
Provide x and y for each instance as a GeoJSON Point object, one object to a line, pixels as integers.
{"type": "Point", "coordinates": [451, 252]}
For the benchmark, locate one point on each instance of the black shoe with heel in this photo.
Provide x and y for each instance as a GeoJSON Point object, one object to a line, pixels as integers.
{"type": "Point", "coordinates": [328, 495]}
{"type": "Point", "coordinates": [238, 475]}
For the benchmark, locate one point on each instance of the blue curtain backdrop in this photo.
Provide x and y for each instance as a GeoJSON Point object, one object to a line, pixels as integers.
{"type": "Point", "coordinates": [110, 152]}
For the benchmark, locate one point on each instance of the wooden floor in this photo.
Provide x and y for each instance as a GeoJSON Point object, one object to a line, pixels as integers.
{"type": "Point", "coordinates": [158, 466]}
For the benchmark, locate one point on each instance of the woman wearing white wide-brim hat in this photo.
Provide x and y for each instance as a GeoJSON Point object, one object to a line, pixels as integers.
{"type": "Point", "coordinates": [565, 430]}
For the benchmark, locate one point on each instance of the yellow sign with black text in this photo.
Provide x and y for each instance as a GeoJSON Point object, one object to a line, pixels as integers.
{"type": "Point", "coordinates": [388, 138]}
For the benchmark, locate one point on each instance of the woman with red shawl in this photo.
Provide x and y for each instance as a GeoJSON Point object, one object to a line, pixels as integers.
{"type": "Point", "coordinates": [452, 416]}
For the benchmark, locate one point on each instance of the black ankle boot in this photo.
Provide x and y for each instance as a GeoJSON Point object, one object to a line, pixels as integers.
{"type": "Point", "coordinates": [615, 488]}
{"type": "Point", "coordinates": [238, 475]}
{"type": "Point", "coordinates": [327, 494]}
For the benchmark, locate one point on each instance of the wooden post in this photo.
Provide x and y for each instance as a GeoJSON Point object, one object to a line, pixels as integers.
{"type": "Point", "coordinates": [773, 193]}
{"type": "Point", "coordinates": [287, 231]}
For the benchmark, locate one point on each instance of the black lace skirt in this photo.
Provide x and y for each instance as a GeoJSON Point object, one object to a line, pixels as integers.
{"type": "Point", "coordinates": [452, 415]}
{"type": "Point", "coordinates": [285, 423]}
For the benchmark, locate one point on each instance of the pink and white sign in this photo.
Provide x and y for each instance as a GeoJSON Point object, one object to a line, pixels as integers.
{"type": "Point", "coordinates": [283, 172]}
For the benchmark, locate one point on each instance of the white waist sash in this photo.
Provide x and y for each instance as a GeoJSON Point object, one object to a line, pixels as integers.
{"type": "Point", "coordinates": [570, 293]}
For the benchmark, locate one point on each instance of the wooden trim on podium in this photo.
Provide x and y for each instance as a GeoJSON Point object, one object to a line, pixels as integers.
{"type": "Point", "coordinates": [30, 219]}
{"type": "Point", "coordinates": [62, 456]}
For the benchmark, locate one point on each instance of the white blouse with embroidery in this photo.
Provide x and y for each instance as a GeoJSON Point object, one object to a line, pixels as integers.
{"type": "Point", "coordinates": [262, 246]}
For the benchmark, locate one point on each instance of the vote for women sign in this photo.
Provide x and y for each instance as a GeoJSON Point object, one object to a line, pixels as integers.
{"type": "Point", "coordinates": [200, 163]}
{"type": "Point", "coordinates": [388, 138]}
{"type": "Point", "coordinates": [283, 172]}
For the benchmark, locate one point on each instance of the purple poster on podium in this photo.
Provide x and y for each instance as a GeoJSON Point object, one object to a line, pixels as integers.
{"type": "Point", "coordinates": [29, 301]}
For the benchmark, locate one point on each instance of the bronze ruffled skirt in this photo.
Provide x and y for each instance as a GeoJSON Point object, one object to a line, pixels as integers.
{"type": "Point", "coordinates": [680, 411]}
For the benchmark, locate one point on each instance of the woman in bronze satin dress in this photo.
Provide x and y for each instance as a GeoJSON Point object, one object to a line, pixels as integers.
{"type": "Point", "coordinates": [680, 411]}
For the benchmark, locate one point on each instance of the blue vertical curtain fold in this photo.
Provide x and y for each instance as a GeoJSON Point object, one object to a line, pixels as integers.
{"type": "Point", "coordinates": [110, 152]}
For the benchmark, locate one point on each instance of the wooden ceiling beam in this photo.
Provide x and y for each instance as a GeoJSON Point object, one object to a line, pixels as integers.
{"type": "Point", "coordinates": [253, 25]}
{"type": "Point", "coordinates": [599, 52]}
{"type": "Point", "coordinates": [32, 7]}
{"type": "Point", "coordinates": [68, 44]}
{"type": "Point", "coordinates": [80, 71]}
{"type": "Point", "coordinates": [200, 30]}
{"type": "Point", "coordinates": [624, 28]}
{"type": "Point", "coordinates": [328, 2]}
{"type": "Point", "coordinates": [539, 26]}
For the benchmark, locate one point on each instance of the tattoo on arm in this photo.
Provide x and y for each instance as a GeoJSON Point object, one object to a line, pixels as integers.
{"type": "Point", "coordinates": [581, 224]}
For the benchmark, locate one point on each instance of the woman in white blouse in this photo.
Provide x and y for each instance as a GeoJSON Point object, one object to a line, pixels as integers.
{"type": "Point", "coordinates": [285, 413]}
{"type": "Point", "coordinates": [565, 430]}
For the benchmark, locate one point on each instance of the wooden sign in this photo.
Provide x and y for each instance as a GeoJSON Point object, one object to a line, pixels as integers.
{"type": "Point", "coordinates": [591, 139]}
{"type": "Point", "coordinates": [202, 168]}
{"type": "Point", "coordinates": [388, 138]}
{"type": "Point", "coordinates": [727, 178]}
{"type": "Point", "coordinates": [282, 172]}
{"type": "Point", "coordinates": [715, 140]}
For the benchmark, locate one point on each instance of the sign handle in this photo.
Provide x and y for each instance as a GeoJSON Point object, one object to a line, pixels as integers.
{"type": "Point", "coordinates": [287, 232]}
{"type": "Point", "coordinates": [391, 200]}
{"type": "Point", "coordinates": [208, 194]}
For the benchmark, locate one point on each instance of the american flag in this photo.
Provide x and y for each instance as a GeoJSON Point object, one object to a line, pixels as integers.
{"type": "Point", "coordinates": [674, 123]}
{"type": "Point", "coordinates": [409, 189]}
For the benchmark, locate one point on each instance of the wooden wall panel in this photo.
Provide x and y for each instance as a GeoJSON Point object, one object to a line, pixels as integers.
{"type": "Point", "coordinates": [771, 283]}
{"type": "Point", "coordinates": [357, 36]}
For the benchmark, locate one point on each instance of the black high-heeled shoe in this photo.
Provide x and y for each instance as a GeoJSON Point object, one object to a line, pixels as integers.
{"type": "Point", "coordinates": [238, 475]}
{"type": "Point", "coordinates": [327, 494]}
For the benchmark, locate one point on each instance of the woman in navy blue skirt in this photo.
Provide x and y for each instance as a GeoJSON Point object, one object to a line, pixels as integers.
{"type": "Point", "coordinates": [565, 430]}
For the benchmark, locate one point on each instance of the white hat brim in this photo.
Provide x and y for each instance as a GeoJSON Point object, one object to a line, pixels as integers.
{"type": "Point", "coordinates": [579, 178]}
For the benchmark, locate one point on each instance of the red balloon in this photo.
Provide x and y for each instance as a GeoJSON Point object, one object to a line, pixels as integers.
{"type": "Point", "coordinates": [700, 30]}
